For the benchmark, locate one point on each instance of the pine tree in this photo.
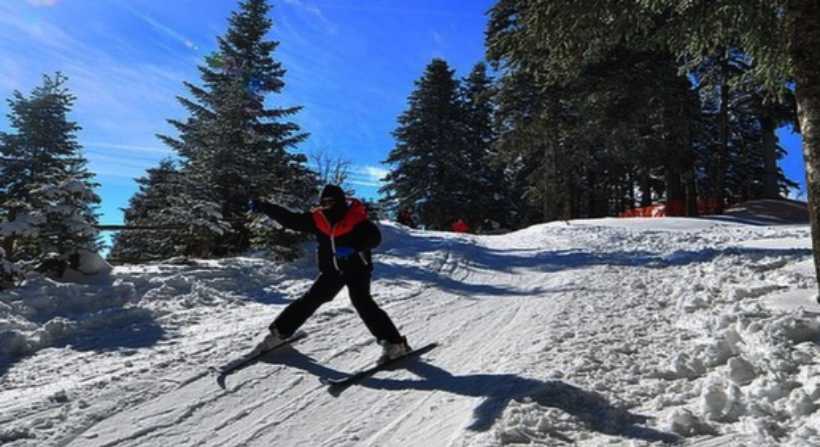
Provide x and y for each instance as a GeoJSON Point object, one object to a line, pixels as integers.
{"type": "Point", "coordinates": [588, 137]}
{"type": "Point", "coordinates": [233, 147]}
{"type": "Point", "coordinates": [781, 36]}
{"type": "Point", "coordinates": [429, 156]}
{"type": "Point", "coordinates": [151, 207]}
{"type": "Point", "coordinates": [488, 204]}
{"type": "Point", "coordinates": [743, 121]}
{"type": "Point", "coordinates": [527, 120]}
{"type": "Point", "coordinates": [772, 115]}
{"type": "Point", "coordinates": [46, 192]}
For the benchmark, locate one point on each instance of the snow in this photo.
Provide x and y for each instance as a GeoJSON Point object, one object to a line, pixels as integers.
{"type": "Point", "coordinates": [90, 267]}
{"type": "Point", "coordinates": [629, 332]}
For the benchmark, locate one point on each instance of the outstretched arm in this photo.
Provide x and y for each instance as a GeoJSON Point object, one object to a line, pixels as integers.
{"type": "Point", "coordinates": [288, 219]}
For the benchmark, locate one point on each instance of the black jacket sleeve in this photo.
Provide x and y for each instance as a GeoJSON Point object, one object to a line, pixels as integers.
{"type": "Point", "coordinates": [288, 219]}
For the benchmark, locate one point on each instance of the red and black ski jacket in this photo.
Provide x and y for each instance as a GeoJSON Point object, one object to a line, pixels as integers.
{"type": "Point", "coordinates": [353, 231]}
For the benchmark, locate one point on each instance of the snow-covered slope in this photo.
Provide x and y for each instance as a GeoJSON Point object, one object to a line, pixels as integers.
{"type": "Point", "coordinates": [599, 332]}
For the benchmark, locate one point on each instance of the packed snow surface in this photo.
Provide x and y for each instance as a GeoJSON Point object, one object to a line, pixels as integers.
{"type": "Point", "coordinates": [598, 332]}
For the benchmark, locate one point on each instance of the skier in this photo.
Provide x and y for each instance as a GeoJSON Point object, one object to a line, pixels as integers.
{"type": "Point", "coordinates": [345, 237]}
{"type": "Point", "coordinates": [405, 218]}
{"type": "Point", "coordinates": [459, 226]}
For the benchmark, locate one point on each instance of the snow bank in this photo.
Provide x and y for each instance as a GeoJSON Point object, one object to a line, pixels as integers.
{"type": "Point", "coordinates": [86, 266]}
{"type": "Point", "coordinates": [44, 312]}
{"type": "Point", "coordinates": [733, 364]}
{"type": "Point", "coordinates": [753, 368]}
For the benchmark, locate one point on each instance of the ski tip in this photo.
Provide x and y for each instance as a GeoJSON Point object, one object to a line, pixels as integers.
{"type": "Point", "coordinates": [424, 349]}
{"type": "Point", "coordinates": [298, 336]}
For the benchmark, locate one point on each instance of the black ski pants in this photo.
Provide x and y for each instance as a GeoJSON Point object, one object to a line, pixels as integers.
{"type": "Point", "coordinates": [323, 290]}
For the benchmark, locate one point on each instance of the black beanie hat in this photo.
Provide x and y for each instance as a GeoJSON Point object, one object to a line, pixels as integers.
{"type": "Point", "coordinates": [335, 192]}
{"type": "Point", "coordinates": [340, 208]}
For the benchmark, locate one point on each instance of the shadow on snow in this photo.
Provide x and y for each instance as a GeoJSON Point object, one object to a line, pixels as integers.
{"type": "Point", "coordinates": [545, 260]}
{"type": "Point", "coordinates": [593, 410]}
{"type": "Point", "coordinates": [466, 254]}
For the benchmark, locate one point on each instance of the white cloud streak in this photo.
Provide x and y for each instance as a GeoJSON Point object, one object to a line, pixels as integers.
{"type": "Point", "coordinates": [114, 166]}
{"type": "Point", "coordinates": [115, 94]}
{"type": "Point", "coordinates": [162, 28]}
{"type": "Point", "coordinates": [328, 26]}
{"type": "Point", "coordinates": [130, 147]}
{"type": "Point", "coordinates": [45, 3]}
{"type": "Point", "coordinates": [370, 176]}
{"type": "Point", "coordinates": [38, 31]}
{"type": "Point", "coordinates": [438, 38]}
{"type": "Point", "coordinates": [376, 172]}
{"type": "Point", "coordinates": [12, 78]}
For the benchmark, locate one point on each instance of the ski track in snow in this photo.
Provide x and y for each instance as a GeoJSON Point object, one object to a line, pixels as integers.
{"type": "Point", "coordinates": [598, 332]}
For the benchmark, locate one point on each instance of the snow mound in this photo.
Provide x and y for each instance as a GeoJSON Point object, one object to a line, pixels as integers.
{"type": "Point", "coordinates": [770, 212]}
{"type": "Point", "coordinates": [44, 313]}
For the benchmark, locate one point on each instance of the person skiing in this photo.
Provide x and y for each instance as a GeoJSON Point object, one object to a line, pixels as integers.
{"type": "Point", "coordinates": [345, 239]}
{"type": "Point", "coordinates": [405, 218]}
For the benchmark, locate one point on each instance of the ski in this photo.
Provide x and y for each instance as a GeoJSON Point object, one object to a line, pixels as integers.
{"type": "Point", "coordinates": [247, 359]}
{"type": "Point", "coordinates": [338, 384]}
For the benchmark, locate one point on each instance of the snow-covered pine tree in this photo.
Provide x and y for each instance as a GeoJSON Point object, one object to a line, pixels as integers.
{"type": "Point", "coordinates": [150, 207]}
{"type": "Point", "coordinates": [232, 147]}
{"type": "Point", "coordinates": [430, 174]}
{"type": "Point", "coordinates": [47, 194]}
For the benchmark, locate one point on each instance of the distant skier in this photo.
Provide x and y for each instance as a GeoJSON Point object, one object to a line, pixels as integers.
{"type": "Point", "coordinates": [405, 218]}
{"type": "Point", "coordinates": [459, 226]}
{"type": "Point", "coordinates": [345, 237]}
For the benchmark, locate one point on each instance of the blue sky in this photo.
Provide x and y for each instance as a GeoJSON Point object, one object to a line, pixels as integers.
{"type": "Point", "coordinates": [351, 65]}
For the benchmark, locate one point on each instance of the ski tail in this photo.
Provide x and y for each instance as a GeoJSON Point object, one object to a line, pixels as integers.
{"type": "Point", "coordinates": [246, 360]}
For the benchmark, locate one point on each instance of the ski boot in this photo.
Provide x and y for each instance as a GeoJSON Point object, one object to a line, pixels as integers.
{"type": "Point", "coordinates": [271, 340]}
{"type": "Point", "coordinates": [392, 351]}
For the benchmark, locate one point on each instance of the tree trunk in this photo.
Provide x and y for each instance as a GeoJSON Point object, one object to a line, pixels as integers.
{"type": "Point", "coordinates": [9, 242]}
{"type": "Point", "coordinates": [675, 199]}
{"type": "Point", "coordinates": [803, 40]}
{"type": "Point", "coordinates": [569, 207]}
{"type": "Point", "coordinates": [689, 106]}
{"type": "Point", "coordinates": [744, 165]}
{"type": "Point", "coordinates": [549, 209]}
{"type": "Point", "coordinates": [8, 246]}
{"type": "Point", "coordinates": [590, 196]}
{"type": "Point", "coordinates": [646, 188]}
{"type": "Point", "coordinates": [723, 148]}
{"type": "Point", "coordinates": [691, 193]}
{"type": "Point", "coordinates": [690, 175]}
{"type": "Point", "coordinates": [771, 190]}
